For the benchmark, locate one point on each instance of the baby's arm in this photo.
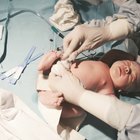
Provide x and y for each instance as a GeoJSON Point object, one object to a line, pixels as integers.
{"type": "Point", "coordinates": [46, 96]}
{"type": "Point", "coordinates": [48, 60]}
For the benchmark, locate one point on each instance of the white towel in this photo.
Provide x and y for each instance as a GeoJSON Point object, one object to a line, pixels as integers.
{"type": "Point", "coordinates": [18, 122]}
{"type": "Point", "coordinates": [64, 17]}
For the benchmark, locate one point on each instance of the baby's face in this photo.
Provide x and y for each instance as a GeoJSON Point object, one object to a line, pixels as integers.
{"type": "Point", "coordinates": [126, 75]}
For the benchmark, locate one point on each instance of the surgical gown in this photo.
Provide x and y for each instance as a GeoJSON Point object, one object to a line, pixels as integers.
{"type": "Point", "coordinates": [132, 128]}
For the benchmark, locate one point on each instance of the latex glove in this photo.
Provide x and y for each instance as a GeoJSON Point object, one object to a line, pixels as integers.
{"type": "Point", "coordinates": [84, 37]}
{"type": "Point", "coordinates": [99, 22]}
{"type": "Point", "coordinates": [65, 82]}
{"type": "Point", "coordinates": [107, 108]}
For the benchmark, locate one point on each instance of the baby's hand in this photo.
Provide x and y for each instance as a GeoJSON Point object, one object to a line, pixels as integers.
{"type": "Point", "coordinates": [48, 60]}
{"type": "Point", "coordinates": [51, 99]}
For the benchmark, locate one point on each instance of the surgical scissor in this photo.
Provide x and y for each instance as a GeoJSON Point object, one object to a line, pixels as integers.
{"type": "Point", "coordinates": [16, 72]}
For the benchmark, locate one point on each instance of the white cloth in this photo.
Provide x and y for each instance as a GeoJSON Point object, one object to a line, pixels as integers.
{"type": "Point", "coordinates": [18, 122]}
{"type": "Point", "coordinates": [64, 17]}
{"type": "Point", "coordinates": [52, 116]}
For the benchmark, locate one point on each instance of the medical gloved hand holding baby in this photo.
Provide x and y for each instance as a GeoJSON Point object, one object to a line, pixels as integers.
{"type": "Point", "coordinates": [73, 85]}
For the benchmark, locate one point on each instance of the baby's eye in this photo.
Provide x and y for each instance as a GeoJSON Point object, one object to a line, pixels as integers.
{"type": "Point", "coordinates": [128, 70]}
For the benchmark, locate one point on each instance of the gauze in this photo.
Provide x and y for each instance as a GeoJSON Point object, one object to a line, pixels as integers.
{"type": "Point", "coordinates": [60, 66]}
{"type": "Point", "coordinates": [65, 17]}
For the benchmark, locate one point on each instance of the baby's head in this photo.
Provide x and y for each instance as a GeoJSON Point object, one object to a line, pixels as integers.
{"type": "Point", "coordinates": [126, 75]}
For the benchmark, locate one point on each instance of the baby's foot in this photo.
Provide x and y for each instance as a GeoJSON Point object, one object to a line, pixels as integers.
{"type": "Point", "coordinates": [50, 99]}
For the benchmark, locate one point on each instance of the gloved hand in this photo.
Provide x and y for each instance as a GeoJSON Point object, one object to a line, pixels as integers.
{"type": "Point", "coordinates": [107, 108]}
{"type": "Point", "coordinates": [84, 37]}
{"type": "Point", "coordinates": [62, 80]}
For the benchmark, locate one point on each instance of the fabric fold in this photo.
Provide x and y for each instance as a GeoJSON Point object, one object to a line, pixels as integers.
{"type": "Point", "coordinates": [65, 17]}
{"type": "Point", "coordinates": [18, 122]}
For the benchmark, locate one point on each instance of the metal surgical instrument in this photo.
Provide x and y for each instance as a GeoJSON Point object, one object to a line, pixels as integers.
{"type": "Point", "coordinates": [18, 70]}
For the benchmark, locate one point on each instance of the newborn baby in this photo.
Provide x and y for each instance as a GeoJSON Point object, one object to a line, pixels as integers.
{"type": "Point", "coordinates": [94, 75]}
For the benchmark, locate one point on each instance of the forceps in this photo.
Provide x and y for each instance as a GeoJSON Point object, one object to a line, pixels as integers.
{"type": "Point", "coordinates": [18, 70]}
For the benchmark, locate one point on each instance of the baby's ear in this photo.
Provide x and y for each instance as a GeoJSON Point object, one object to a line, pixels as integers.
{"type": "Point", "coordinates": [114, 55]}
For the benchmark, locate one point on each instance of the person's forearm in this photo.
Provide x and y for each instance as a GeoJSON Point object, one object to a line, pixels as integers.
{"type": "Point", "coordinates": [107, 108]}
{"type": "Point", "coordinates": [118, 29]}
{"type": "Point", "coordinates": [129, 9]}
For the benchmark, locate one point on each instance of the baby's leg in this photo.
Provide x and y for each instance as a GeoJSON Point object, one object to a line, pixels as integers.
{"type": "Point", "coordinates": [70, 110]}
{"type": "Point", "coordinates": [54, 100]}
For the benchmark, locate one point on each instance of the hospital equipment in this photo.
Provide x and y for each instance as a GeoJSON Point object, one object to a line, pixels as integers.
{"type": "Point", "coordinates": [18, 70]}
{"type": "Point", "coordinates": [21, 11]}
{"type": "Point", "coordinates": [2, 57]}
